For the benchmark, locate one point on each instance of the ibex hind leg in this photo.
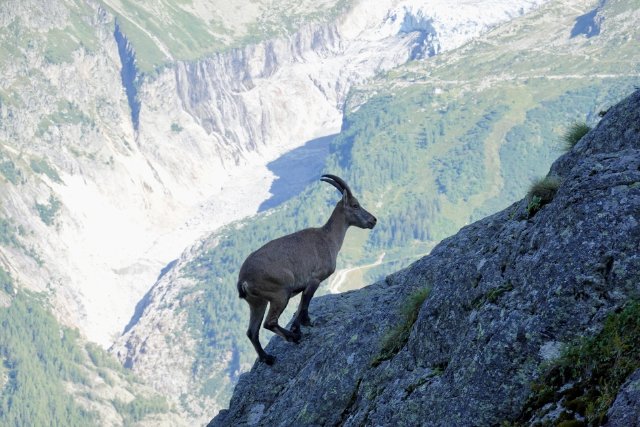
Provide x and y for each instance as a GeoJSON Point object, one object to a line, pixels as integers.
{"type": "Point", "coordinates": [258, 307]}
{"type": "Point", "coordinates": [277, 304]}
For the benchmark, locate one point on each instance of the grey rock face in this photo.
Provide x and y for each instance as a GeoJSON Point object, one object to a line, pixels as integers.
{"type": "Point", "coordinates": [506, 293]}
{"type": "Point", "coordinates": [625, 410]}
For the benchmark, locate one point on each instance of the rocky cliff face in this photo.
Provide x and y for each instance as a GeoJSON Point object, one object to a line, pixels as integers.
{"type": "Point", "coordinates": [506, 295]}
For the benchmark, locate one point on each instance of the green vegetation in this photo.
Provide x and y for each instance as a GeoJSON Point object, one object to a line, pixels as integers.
{"type": "Point", "coordinates": [42, 167]}
{"type": "Point", "coordinates": [541, 192]}
{"type": "Point", "coordinates": [176, 128]}
{"type": "Point", "coordinates": [284, 18]}
{"type": "Point", "coordinates": [6, 283]}
{"type": "Point", "coordinates": [38, 357]}
{"type": "Point", "coordinates": [140, 407]}
{"type": "Point", "coordinates": [594, 368]}
{"type": "Point", "coordinates": [9, 233]}
{"type": "Point", "coordinates": [534, 205]}
{"type": "Point", "coordinates": [46, 367]}
{"type": "Point", "coordinates": [573, 134]}
{"type": "Point", "coordinates": [102, 359]}
{"type": "Point", "coordinates": [397, 337]}
{"type": "Point", "coordinates": [461, 172]}
{"type": "Point", "coordinates": [79, 33]}
{"type": "Point", "coordinates": [68, 113]}
{"type": "Point", "coordinates": [48, 212]}
{"type": "Point", "coordinates": [493, 295]}
{"type": "Point", "coordinates": [9, 170]}
{"type": "Point", "coordinates": [56, 45]}
{"type": "Point", "coordinates": [160, 28]}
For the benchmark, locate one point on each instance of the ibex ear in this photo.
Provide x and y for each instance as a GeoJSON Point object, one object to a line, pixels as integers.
{"type": "Point", "coordinates": [345, 198]}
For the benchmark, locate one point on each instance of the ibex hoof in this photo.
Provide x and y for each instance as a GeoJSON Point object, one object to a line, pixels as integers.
{"type": "Point", "coordinates": [293, 335]}
{"type": "Point", "coordinates": [268, 359]}
{"type": "Point", "coordinates": [306, 321]}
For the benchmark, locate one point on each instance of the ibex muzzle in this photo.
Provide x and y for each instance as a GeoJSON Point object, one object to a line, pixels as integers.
{"type": "Point", "coordinates": [296, 263]}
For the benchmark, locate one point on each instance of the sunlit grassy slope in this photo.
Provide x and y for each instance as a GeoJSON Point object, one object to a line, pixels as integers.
{"type": "Point", "coordinates": [189, 29]}
{"type": "Point", "coordinates": [433, 146]}
{"type": "Point", "coordinates": [159, 31]}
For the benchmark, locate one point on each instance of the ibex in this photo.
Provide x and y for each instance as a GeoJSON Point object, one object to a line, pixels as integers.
{"type": "Point", "coordinates": [296, 263]}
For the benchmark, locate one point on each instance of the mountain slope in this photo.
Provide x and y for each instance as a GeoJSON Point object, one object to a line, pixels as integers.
{"type": "Point", "coordinates": [505, 296]}
{"type": "Point", "coordinates": [50, 376]}
{"type": "Point", "coordinates": [124, 136]}
{"type": "Point", "coordinates": [425, 152]}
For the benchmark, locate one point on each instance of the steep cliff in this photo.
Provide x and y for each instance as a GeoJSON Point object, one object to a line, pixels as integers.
{"type": "Point", "coordinates": [508, 297]}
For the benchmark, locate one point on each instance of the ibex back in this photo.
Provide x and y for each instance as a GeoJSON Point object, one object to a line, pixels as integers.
{"type": "Point", "coordinates": [296, 263]}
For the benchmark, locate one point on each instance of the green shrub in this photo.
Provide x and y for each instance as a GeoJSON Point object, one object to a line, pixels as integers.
{"type": "Point", "coordinates": [6, 283]}
{"type": "Point", "coordinates": [541, 192]}
{"type": "Point", "coordinates": [101, 359]}
{"type": "Point", "coordinates": [48, 212]}
{"type": "Point", "coordinates": [397, 337]}
{"type": "Point", "coordinates": [42, 167]}
{"type": "Point", "coordinates": [595, 368]}
{"type": "Point", "coordinates": [9, 170]}
{"type": "Point", "coordinates": [8, 233]}
{"type": "Point", "coordinates": [573, 134]}
{"type": "Point", "coordinates": [140, 407]}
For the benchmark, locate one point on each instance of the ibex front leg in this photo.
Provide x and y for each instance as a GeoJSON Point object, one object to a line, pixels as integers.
{"type": "Point", "coordinates": [302, 315]}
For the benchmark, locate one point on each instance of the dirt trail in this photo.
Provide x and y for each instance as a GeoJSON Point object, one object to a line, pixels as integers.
{"type": "Point", "coordinates": [340, 277]}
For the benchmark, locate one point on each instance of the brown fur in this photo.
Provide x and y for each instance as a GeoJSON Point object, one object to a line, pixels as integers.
{"type": "Point", "coordinates": [296, 263]}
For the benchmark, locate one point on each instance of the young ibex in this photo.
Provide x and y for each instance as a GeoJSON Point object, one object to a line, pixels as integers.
{"type": "Point", "coordinates": [296, 263]}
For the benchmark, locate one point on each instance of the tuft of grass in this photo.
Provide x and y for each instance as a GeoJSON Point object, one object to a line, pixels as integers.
{"type": "Point", "coordinates": [573, 134]}
{"type": "Point", "coordinates": [397, 337]}
{"type": "Point", "coordinates": [596, 368]}
{"type": "Point", "coordinates": [492, 296]}
{"type": "Point", "coordinates": [541, 192]}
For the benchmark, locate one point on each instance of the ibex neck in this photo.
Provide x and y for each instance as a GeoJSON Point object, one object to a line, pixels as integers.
{"type": "Point", "coordinates": [336, 227]}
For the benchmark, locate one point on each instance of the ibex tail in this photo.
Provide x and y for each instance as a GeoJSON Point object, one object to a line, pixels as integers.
{"type": "Point", "coordinates": [241, 292]}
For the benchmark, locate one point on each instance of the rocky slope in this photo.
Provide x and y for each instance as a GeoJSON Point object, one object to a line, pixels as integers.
{"type": "Point", "coordinates": [506, 295]}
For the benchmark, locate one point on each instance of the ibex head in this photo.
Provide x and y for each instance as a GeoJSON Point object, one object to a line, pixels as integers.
{"type": "Point", "coordinates": [354, 213]}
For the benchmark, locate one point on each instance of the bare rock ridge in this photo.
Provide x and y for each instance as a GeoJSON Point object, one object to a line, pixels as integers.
{"type": "Point", "coordinates": [506, 294]}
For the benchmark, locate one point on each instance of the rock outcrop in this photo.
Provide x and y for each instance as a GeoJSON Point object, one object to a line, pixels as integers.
{"type": "Point", "coordinates": [507, 293]}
